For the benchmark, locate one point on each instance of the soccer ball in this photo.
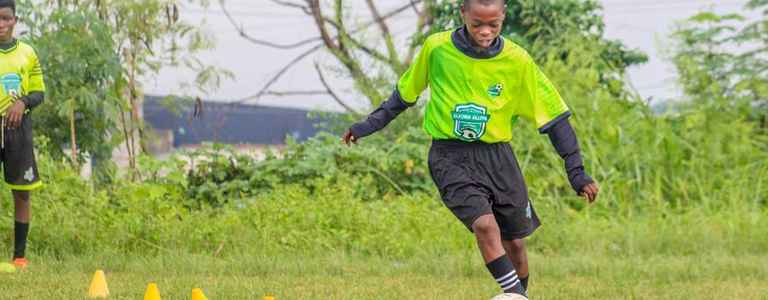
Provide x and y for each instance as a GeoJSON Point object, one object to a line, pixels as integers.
{"type": "Point", "coordinates": [509, 296]}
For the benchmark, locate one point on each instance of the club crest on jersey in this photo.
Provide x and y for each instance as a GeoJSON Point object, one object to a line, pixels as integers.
{"type": "Point", "coordinates": [495, 90]}
{"type": "Point", "coordinates": [469, 121]}
{"type": "Point", "coordinates": [11, 84]}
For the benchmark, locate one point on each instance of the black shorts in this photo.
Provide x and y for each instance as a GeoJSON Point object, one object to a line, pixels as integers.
{"type": "Point", "coordinates": [475, 179]}
{"type": "Point", "coordinates": [18, 156]}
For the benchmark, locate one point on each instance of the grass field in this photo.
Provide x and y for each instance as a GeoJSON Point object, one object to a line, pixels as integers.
{"type": "Point", "coordinates": [404, 248]}
{"type": "Point", "coordinates": [345, 276]}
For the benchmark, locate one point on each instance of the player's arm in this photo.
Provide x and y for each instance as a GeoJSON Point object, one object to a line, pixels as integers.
{"type": "Point", "coordinates": [33, 99]}
{"type": "Point", "coordinates": [563, 138]}
{"type": "Point", "coordinates": [546, 108]}
{"type": "Point", "coordinates": [411, 84]}
{"type": "Point", "coordinates": [378, 119]}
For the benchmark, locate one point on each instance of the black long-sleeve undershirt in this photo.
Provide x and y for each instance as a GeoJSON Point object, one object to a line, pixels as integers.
{"type": "Point", "coordinates": [563, 138]}
{"type": "Point", "coordinates": [379, 118]}
{"type": "Point", "coordinates": [34, 99]}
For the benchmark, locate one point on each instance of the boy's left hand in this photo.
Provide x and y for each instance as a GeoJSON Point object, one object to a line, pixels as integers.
{"type": "Point", "coordinates": [15, 113]}
{"type": "Point", "coordinates": [589, 192]}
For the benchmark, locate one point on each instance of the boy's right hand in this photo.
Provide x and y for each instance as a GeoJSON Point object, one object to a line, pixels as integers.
{"type": "Point", "coordinates": [348, 137]}
{"type": "Point", "coordinates": [589, 192]}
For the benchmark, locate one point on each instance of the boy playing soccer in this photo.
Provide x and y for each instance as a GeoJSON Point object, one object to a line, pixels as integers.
{"type": "Point", "coordinates": [480, 84]}
{"type": "Point", "coordinates": [22, 90]}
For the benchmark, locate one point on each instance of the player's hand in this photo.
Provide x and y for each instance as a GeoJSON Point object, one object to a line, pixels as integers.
{"type": "Point", "coordinates": [589, 192]}
{"type": "Point", "coordinates": [15, 114]}
{"type": "Point", "coordinates": [349, 138]}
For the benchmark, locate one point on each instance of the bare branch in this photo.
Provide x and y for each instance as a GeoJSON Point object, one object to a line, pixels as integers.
{"type": "Point", "coordinates": [394, 61]}
{"type": "Point", "coordinates": [278, 75]}
{"type": "Point", "coordinates": [284, 69]}
{"type": "Point", "coordinates": [415, 9]}
{"type": "Point", "coordinates": [306, 9]}
{"type": "Point", "coordinates": [294, 93]}
{"type": "Point", "coordinates": [393, 13]}
{"type": "Point", "coordinates": [246, 36]}
{"type": "Point", "coordinates": [373, 53]}
{"type": "Point", "coordinates": [314, 5]}
{"type": "Point", "coordinates": [424, 21]}
{"type": "Point", "coordinates": [347, 37]}
{"type": "Point", "coordinates": [330, 91]}
{"type": "Point", "coordinates": [296, 5]}
{"type": "Point", "coordinates": [362, 79]}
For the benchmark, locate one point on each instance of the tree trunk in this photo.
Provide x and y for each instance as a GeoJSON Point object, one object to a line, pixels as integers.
{"type": "Point", "coordinates": [73, 135]}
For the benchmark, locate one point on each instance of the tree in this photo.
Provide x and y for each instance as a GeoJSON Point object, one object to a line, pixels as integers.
{"type": "Point", "coordinates": [346, 43]}
{"type": "Point", "coordinates": [722, 62]}
{"type": "Point", "coordinates": [76, 51]}
{"type": "Point", "coordinates": [95, 51]}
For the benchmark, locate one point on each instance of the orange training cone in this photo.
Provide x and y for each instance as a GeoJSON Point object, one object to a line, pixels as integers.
{"type": "Point", "coordinates": [197, 294]}
{"type": "Point", "coordinates": [152, 292]}
{"type": "Point", "coordinates": [98, 287]}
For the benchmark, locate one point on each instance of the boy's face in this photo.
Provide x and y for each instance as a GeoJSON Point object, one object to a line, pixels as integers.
{"type": "Point", "coordinates": [7, 22]}
{"type": "Point", "coordinates": [484, 21]}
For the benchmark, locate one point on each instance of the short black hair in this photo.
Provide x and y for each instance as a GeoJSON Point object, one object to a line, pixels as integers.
{"type": "Point", "coordinates": [8, 3]}
{"type": "Point", "coordinates": [467, 3]}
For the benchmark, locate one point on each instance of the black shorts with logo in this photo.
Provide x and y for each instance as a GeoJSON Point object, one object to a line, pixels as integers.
{"type": "Point", "coordinates": [18, 156]}
{"type": "Point", "coordinates": [476, 179]}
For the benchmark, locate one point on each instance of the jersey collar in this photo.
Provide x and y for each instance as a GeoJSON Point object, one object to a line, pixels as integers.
{"type": "Point", "coordinates": [8, 47]}
{"type": "Point", "coordinates": [466, 45]}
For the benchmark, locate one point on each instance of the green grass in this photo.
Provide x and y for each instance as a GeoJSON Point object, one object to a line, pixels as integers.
{"type": "Point", "coordinates": [333, 247]}
{"type": "Point", "coordinates": [348, 276]}
{"type": "Point", "coordinates": [296, 244]}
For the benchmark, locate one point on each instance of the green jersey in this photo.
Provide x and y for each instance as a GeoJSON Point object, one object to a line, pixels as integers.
{"type": "Point", "coordinates": [20, 74]}
{"type": "Point", "coordinates": [479, 99]}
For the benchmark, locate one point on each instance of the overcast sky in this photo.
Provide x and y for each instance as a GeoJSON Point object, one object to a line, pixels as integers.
{"type": "Point", "coordinates": [641, 24]}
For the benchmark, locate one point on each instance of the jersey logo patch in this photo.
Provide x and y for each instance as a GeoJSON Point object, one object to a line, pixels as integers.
{"type": "Point", "coordinates": [469, 121]}
{"type": "Point", "coordinates": [11, 84]}
{"type": "Point", "coordinates": [495, 90]}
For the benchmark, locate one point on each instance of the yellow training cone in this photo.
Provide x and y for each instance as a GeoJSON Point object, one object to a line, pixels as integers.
{"type": "Point", "coordinates": [268, 298]}
{"type": "Point", "coordinates": [7, 268]}
{"type": "Point", "coordinates": [98, 287]}
{"type": "Point", "coordinates": [197, 294]}
{"type": "Point", "coordinates": [152, 292]}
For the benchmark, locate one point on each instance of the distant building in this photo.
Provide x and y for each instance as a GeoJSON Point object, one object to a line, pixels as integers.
{"type": "Point", "coordinates": [240, 124]}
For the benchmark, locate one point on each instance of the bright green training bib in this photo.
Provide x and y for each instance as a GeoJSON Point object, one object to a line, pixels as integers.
{"type": "Point", "coordinates": [479, 99]}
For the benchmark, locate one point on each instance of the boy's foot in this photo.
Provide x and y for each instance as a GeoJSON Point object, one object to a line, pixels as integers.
{"type": "Point", "coordinates": [20, 263]}
{"type": "Point", "coordinates": [510, 296]}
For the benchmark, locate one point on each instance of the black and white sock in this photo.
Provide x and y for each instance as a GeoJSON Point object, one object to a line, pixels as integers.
{"type": "Point", "coordinates": [524, 281]}
{"type": "Point", "coordinates": [20, 239]}
{"type": "Point", "coordinates": [504, 273]}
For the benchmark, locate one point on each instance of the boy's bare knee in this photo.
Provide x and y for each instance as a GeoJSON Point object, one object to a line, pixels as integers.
{"type": "Point", "coordinates": [486, 226]}
{"type": "Point", "coordinates": [517, 245]}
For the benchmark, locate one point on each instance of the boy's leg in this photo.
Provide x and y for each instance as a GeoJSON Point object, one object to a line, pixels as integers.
{"type": "Point", "coordinates": [20, 170]}
{"type": "Point", "coordinates": [513, 210]}
{"type": "Point", "coordinates": [519, 256]}
{"type": "Point", "coordinates": [496, 260]}
{"type": "Point", "coordinates": [469, 202]}
{"type": "Point", "coordinates": [488, 237]}
{"type": "Point", "coordinates": [516, 224]}
{"type": "Point", "coordinates": [21, 226]}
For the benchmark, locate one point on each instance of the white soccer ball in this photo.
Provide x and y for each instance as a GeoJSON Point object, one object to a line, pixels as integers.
{"type": "Point", "coordinates": [509, 296]}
